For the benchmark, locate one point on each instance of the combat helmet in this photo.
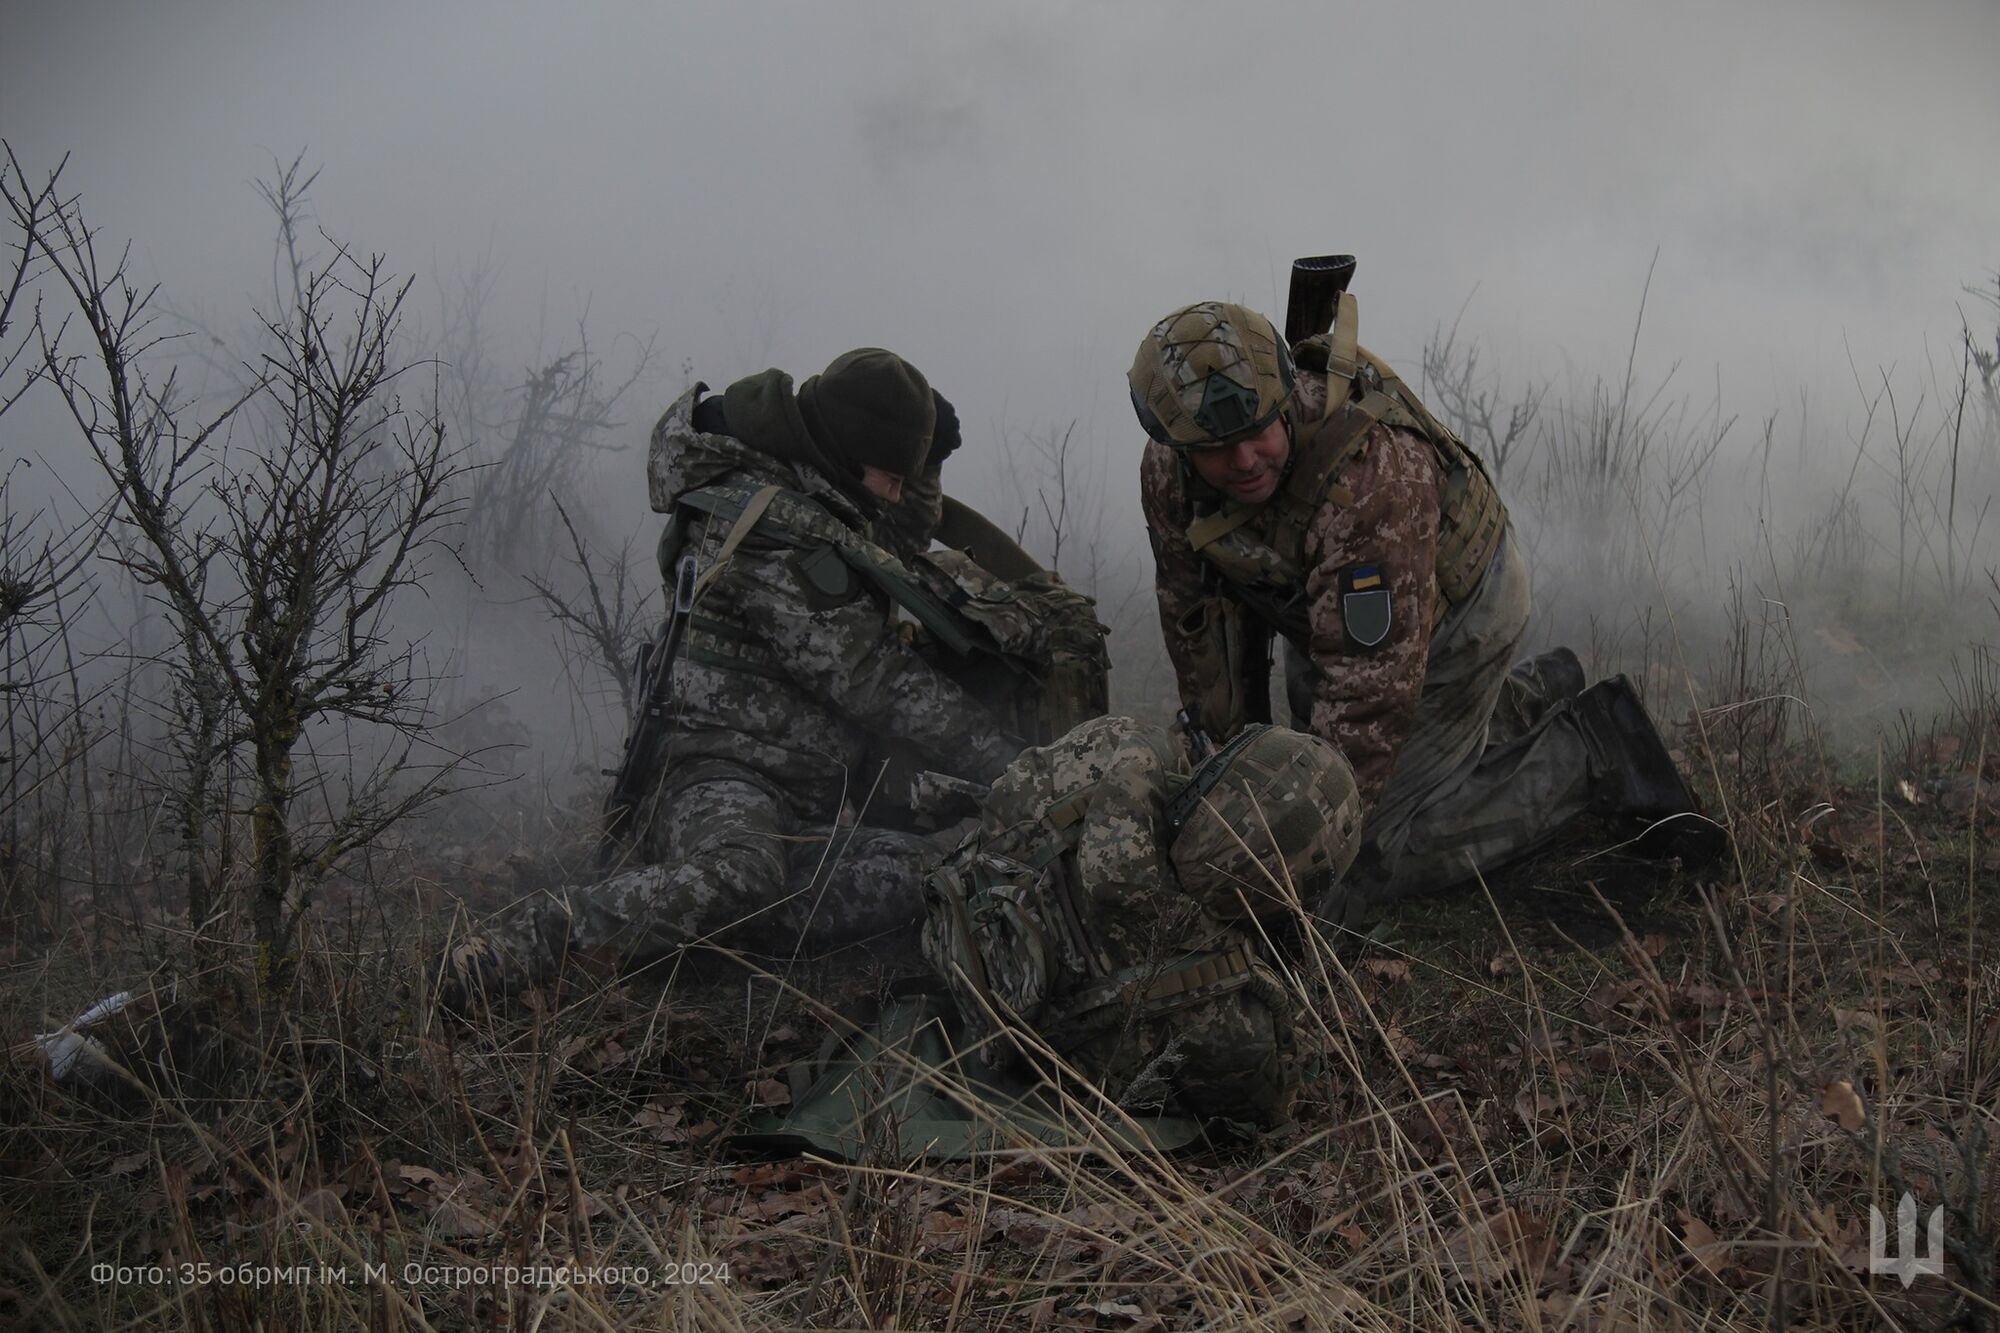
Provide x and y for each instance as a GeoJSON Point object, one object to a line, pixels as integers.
{"type": "Point", "coordinates": [1210, 374]}
{"type": "Point", "coordinates": [1272, 815]}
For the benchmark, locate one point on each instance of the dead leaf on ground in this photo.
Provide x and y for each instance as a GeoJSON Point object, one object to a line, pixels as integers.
{"type": "Point", "coordinates": [455, 1221]}
{"type": "Point", "coordinates": [943, 1232]}
{"type": "Point", "coordinates": [1865, 1020]}
{"type": "Point", "coordinates": [1387, 969]}
{"type": "Point", "coordinates": [770, 1092]}
{"type": "Point", "coordinates": [1839, 1100]}
{"type": "Point", "coordinates": [1708, 1250]}
{"type": "Point", "coordinates": [1486, 1251]}
{"type": "Point", "coordinates": [1019, 1226]}
{"type": "Point", "coordinates": [323, 1204]}
{"type": "Point", "coordinates": [405, 1179]}
{"type": "Point", "coordinates": [662, 1125]}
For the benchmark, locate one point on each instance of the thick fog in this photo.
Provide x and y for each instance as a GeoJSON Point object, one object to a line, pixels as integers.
{"type": "Point", "coordinates": [1009, 194]}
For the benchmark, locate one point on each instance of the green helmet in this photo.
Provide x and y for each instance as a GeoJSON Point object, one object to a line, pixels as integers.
{"type": "Point", "coordinates": [1210, 374]}
{"type": "Point", "coordinates": [1272, 816]}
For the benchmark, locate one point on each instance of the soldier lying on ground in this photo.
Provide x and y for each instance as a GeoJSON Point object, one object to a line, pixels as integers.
{"type": "Point", "coordinates": [789, 665]}
{"type": "Point", "coordinates": [1304, 491]}
{"type": "Point", "coordinates": [1109, 901]}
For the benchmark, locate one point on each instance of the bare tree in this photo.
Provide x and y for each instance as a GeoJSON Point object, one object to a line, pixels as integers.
{"type": "Point", "coordinates": [276, 558]}
{"type": "Point", "coordinates": [1471, 405]}
{"type": "Point", "coordinates": [561, 415]}
{"type": "Point", "coordinates": [44, 584]}
{"type": "Point", "coordinates": [608, 622]}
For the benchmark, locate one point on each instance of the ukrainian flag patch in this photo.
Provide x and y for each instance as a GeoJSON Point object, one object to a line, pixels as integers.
{"type": "Point", "coordinates": [1364, 606]}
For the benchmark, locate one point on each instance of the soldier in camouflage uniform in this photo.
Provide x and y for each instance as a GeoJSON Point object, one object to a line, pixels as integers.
{"type": "Point", "coordinates": [1109, 899]}
{"type": "Point", "coordinates": [790, 667]}
{"type": "Point", "coordinates": [1306, 492]}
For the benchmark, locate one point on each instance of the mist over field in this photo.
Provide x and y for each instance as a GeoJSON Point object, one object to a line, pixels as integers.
{"type": "Point", "coordinates": [1010, 196]}
{"type": "Point", "coordinates": [1713, 288]}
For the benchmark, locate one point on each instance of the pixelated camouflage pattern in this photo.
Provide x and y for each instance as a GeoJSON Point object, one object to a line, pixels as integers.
{"type": "Point", "coordinates": [1363, 699]}
{"type": "Point", "coordinates": [1279, 826]}
{"type": "Point", "coordinates": [1042, 936]}
{"type": "Point", "coordinates": [1449, 786]}
{"type": "Point", "coordinates": [761, 753]}
{"type": "Point", "coordinates": [847, 675]}
{"type": "Point", "coordinates": [735, 868]}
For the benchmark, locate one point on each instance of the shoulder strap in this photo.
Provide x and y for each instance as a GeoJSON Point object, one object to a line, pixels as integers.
{"type": "Point", "coordinates": [753, 510]}
{"type": "Point", "coordinates": [796, 520]}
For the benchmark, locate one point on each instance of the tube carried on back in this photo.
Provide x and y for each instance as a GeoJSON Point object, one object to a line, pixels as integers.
{"type": "Point", "coordinates": [1317, 282]}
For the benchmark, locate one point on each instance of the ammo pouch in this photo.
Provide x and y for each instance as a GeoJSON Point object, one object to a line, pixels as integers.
{"type": "Point", "coordinates": [1231, 654]}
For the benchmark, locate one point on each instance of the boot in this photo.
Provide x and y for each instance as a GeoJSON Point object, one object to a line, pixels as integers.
{"type": "Point", "coordinates": [1555, 674]}
{"type": "Point", "coordinates": [1635, 777]}
{"type": "Point", "coordinates": [1534, 687]}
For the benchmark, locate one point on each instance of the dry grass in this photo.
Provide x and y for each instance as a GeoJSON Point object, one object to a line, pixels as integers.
{"type": "Point", "coordinates": [1589, 1095]}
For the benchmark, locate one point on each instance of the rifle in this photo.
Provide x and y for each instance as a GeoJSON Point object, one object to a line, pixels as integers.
{"type": "Point", "coordinates": [1314, 299]}
{"type": "Point", "coordinates": [638, 766]}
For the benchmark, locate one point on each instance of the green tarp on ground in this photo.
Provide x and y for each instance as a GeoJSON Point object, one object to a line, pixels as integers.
{"type": "Point", "coordinates": [896, 1090]}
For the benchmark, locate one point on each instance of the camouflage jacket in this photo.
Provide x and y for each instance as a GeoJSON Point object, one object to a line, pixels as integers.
{"type": "Point", "coordinates": [1114, 774]}
{"type": "Point", "coordinates": [783, 674]}
{"type": "Point", "coordinates": [1363, 699]}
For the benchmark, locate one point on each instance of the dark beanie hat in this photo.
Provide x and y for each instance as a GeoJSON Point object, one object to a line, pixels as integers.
{"type": "Point", "coordinates": [945, 437]}
{"type": "Point", "coordinates": [871, 407]}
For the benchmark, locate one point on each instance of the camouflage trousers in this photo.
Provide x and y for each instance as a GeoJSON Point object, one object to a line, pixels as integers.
{"type": "Point", "coordinates": [732, 865]}
{"type": "Point", "coordinates": [1494, 763]}
{"type": "Point", "coordinates": [1232, 1055]}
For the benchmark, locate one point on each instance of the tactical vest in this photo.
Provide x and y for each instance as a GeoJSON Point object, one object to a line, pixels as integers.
{"type": "Point", "coordinates": [1032, 648]}
{"type": "Point", "coordinates": [1260, 549]}
{"type": "Point", "coordinates": [1008, 931]}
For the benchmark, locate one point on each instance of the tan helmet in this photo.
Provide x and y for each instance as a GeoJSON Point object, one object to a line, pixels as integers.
{"type": "Point", "coordinates": [1209, 374]}
{"type": "Point", "coordinates": [1271, 817]}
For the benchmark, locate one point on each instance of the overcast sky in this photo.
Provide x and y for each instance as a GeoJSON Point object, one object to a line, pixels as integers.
{"type": "Point", "coordinates": [1010, 193]}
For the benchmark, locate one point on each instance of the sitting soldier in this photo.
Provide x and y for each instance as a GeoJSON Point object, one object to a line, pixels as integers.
{"type": "Point", "coordinates": [787, 670]}
{"type": "Point", "coordinates": [1111, 901]}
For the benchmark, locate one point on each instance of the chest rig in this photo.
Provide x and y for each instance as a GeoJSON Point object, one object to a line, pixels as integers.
{"type": "Point", "coordinates": [1259, 550]}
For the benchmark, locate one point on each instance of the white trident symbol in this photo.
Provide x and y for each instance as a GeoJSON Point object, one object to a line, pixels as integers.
{"type": "Point", "coordinates": [1908, 1263]}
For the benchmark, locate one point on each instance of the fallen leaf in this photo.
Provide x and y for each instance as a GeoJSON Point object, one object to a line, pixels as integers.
{"type": "Point", "coordinates": [456, 1222]}
{"type": "Point", "coordinates": [1839, 1100]}
{"type": "Point", "coordinates": [770, 1092]}
{"type": "Point", "coordinates": [944, 1232]}
{"type": "Point", "coordinates": [1864, 1019]}
{"type": "Point", "coordinates": [324, 1205]}
{"type": "Point", "coordinates": [1019, 1226]}
{"type": "Point", "coordinates": [1487, 1250]}
{"type": "Point", "coordinates": [1387, 969]}
{"type": "Point", "coordinates": [1707, 1249]}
